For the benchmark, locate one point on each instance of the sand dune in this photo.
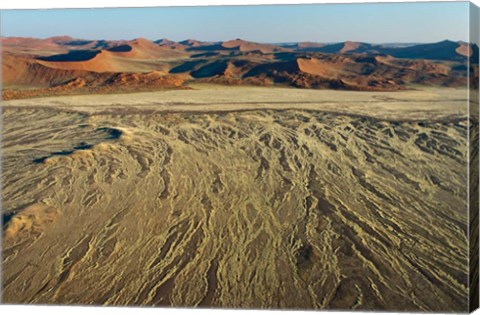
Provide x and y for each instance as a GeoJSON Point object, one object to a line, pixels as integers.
{"type": "Point", "coordinates": [352, 46]}
{"type": "Point", "coordinates": [243, 45]}
{"type": "Point", "coordinates": [101, 61]}
{"type": "Point", "coordinates": [319, 67]}
{"type": "Point", "coordinates": [444, 50]}
{"type": "Point", "coordinates": [52, 45]}
{"type": "Point", "coordinates": [464, 50]}
{"type": "Point", "coordinates": [123, 58]}
{"type": "Point", "coordinates": [164, 42]}
{"type": "Point", "coordinates": [18, 71]}
{"type": "Point", "coordinates": [194, 43]}
{"type": "Point", "coordinates": [45, 64]}
{"type": "Point", "coordinates": [144, 49]}
{"type": "Point", "coordinates": [238, 197]}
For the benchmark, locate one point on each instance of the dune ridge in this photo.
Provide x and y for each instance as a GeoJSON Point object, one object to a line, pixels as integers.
{"type": "Point", "coordinates": [43, 64]}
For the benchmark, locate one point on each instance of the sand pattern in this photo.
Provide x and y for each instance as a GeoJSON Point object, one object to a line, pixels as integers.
{"type": "Point", "coordinates": [261, 208]}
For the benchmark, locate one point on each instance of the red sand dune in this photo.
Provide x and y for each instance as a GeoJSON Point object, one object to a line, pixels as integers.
{"type": "Point", "coordinates": [320, 67]}
{"type": "Point", "coordinates": [170, 44]}
{"type": "Point", "coordinates": [49, 46]}
{"type": "Point", "coordinates": [194, 43]}
{"type": "Point", "coordinates": [30, 41]}
{"type": "Point", "coordinates": [141, 48]}
{"type": "Point", "coordinates": [349, 46]}
{"type": "Point", "coordinates": [119, 58]}
{"type": "Point", "coordinates": [102, 61]}
{"type": "Point", "coordinates": [31, 46]}
{"type": "Point", "coordinates": [62, 64]}
{"type": "Point", "coordinates": [24, 71]}
{"type": "Point", "coordinates": [245, 46]}
{"type": "Point", "coordinates": [418, 65]}
{"type": "Point", "coordinates": [464, 49]}
{"type": "Point", "coordinates": [303, 45]}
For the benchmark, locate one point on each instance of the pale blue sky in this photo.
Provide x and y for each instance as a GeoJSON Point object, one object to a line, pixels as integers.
{"type": "Point", "coordinates": [374, 23]}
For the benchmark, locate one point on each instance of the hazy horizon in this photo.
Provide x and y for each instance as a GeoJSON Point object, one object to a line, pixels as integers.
{"type": "Point", "coordinates": [375, 23]}
{"type": "Point", "coordinates": [236, 38]}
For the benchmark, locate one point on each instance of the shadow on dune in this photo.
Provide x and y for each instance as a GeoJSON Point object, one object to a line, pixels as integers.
{"type": "Point", "coordinates": [187, 66]}
{"type": "Point", "coordinates": [212, 69]}
{"type": "Point", "coordinates": [110, 134]}
{"type": "Point", "coordinates": [73, 55]}
{"type": "Point", "coordinates": [207, 54]}
{"type": "Point", "coordinates": [121, 48]}
{"type": "Point", "coordinates": [6, 218]}
{"type": "Point", "coordinates": [79, 42]}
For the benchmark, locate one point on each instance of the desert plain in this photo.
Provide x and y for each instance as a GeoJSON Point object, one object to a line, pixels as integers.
{"type": "Point", "coordinates": [238, 196]}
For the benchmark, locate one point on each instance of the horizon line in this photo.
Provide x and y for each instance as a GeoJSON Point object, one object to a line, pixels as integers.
{"type": "Point", "coordinates": [246, 40]}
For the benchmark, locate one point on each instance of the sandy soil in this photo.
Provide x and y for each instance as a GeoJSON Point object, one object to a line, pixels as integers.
{"type": "Point", "coordinates": [238, 197]}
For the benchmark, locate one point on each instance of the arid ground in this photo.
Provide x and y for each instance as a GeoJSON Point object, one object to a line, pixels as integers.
{"type": "Point", "coordinates": [258, 197]}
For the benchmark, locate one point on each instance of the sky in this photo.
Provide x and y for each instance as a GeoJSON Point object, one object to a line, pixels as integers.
{"type": "Point", "coordinates": [372, 23]}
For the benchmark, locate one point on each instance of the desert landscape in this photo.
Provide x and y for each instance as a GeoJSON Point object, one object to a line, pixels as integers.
{"type": "Point", "coordinates": [64, 65]}
{"type": "Point", "coordinates": [236, 174]}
